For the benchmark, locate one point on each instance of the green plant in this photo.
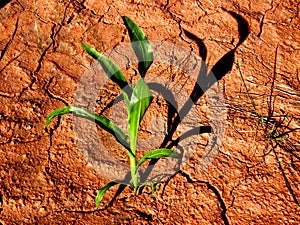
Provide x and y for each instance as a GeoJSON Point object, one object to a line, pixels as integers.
{"type": "Point", "coordinates": [137, 99]}
{"type": "Point", "coordinates": [275, 133]}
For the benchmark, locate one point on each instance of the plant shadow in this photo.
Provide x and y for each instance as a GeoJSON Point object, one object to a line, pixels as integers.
{"type": "Point", "coordinates": [205, 80]}
{"type": "Point", "coordinates": [3, 3]}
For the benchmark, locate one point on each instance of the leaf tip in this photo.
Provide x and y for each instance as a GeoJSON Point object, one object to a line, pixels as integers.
{"type": "Point", "coordinates": [84, 45]}
{"type": "Point", "coordinates": [98, 198]}
{"type": "Point", "coordinates": [48, 120]}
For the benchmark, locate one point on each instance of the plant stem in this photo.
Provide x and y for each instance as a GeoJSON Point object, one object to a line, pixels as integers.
{"type": "Point", "coordinates": [134, 174]}
{"type": "Point", "coordinates": [260, 118]}
{"type": "Point", "coordinates": [133, 166]}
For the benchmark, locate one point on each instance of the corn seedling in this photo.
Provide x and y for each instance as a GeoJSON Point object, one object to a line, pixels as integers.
{"type": "Point", "coordinates": [137, 100]}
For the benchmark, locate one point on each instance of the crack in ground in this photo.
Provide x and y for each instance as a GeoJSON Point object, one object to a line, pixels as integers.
{"type": "Point", "coordinates": [261, 24]}
{"type": "Point", "coordinates": [9, 62]}
{"type": "Point", "coordinates": [200, 5]}
{"type": "Point", "coordinates": [166, 5]}
{"type": "Point", "coordinates": [10, 40]}
{"type": "Point", "coordinates": [52, 43]}
{"type": "Point", "coordinates": [79, 5]}
{"type": "Point", "coordinates": [53, 96]}
{"type": "Point", "coordinates": [100, 19]}
{"type": "Point", "coordinates": [178, 21]}
{"type": "Point", "coordinates": [215, 191]}
{"type": "Point", "coordinates": [48, 176]}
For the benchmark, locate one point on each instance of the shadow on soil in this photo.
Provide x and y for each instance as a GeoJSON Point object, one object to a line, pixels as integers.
{"type": "Point", "coordinates": [4, 3]}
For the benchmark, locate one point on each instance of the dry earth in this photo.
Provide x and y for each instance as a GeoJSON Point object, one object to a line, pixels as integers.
{"type": "Point", "coordinates": [254, 179]}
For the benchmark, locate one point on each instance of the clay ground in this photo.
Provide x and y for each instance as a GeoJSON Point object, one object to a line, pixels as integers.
{"type": "Point", "coordinates": [254, 178]}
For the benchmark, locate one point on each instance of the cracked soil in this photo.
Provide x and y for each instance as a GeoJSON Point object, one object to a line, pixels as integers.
{"type": "Point", "coordinates": [252, 180]}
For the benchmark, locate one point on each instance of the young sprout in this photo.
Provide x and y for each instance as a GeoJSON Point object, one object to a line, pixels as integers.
{"type": "Point", "coordinates": [137, 99]}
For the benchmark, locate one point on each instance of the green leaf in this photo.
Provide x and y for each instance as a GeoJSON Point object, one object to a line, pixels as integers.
{"type": "Point", "coordinates": [102, 121]}
{"type": "Point", "coordinates": [57, 112]}
{"type": "Point", "coordinates": [140, 45]}
{"type": "Point", "coordinates": [111, 70]}
{"type": "Point", "coordinates": [102, 191]}
{"type": "Point", "coordinates": [157, 154]}
{"type": "Point", "coordinates": [139, 102]}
